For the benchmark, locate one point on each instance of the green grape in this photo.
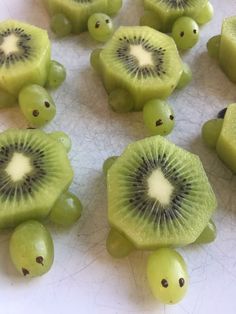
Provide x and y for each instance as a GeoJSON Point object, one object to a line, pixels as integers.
{"type": "Point", "coordinates": [114, 6]}
{"type": "Point", "coordinates": [121, 101]}
{"type": "Point", "coordinates": [213, 46]}
{"type": "Point", "coordinates": [186, 77]}
{"type": "Point", "coordinates": [100, 27]}
{"type": "Point", "coordinates": [150, 19]}
{"type": "Point", "coordinates": [94, 60]}
{"type": "Point", "coordinates": [37, 105]}
{"type": "Point", "coordinates": [205, 15]}
{"type": "Point", "coordinates": [56, 75]}
{"type": "Point", "coordinates": [108, 163]}
{"type": "Point", "coordinates": [31, 249]}
{"type": "Point", "coordinates": [117, 245]}
{"type": "Point", "coordinates": [62, 138]}
{"type": "Point", "coordinates": [67, 210]}
{"type": "Point", "coordinates": [6, 99]}
{"type": "Point", "coordinates": [167, 275]}
{"type": "Point", "coordinates": [211, 131]}
{"type": "Point", "coordinates": [185, 32]}
{"type": "Point", "coordinates": [158, 117]}
{"type": "Point", "coordinates": [208, 235]}
{"type": "Point", "coordinates": [60, 25]}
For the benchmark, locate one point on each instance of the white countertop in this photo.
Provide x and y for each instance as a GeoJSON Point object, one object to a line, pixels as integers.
{"type": "Point", "coordinates": [84, 278]}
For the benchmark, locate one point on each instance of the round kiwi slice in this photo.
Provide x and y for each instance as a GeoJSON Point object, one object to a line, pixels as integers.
{"type": "Point", "coordinates": [159, 194]}
{"type": "Point", "coordinates": [24, 56]}
{"type": "Point", "coordinates": [34, 172]}
{"type": "Point", "coordinates": [167, 11]}
{"type": "Point", "coordinates": [143, 62]}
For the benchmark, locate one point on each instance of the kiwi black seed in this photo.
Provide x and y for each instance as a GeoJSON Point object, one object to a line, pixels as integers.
{"type": "Point", "coordinates": [178, 4]}
{"type": "Point", "coordinates": [158, 194]}
{"type": "Point", "coordinates": [24, 51]}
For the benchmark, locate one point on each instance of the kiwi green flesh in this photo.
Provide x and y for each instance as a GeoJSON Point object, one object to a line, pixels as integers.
{"type": "Point", "coordinates": [142, 61]}
{"type": "Point", "coordinates": [24, 56]}
{"type": "Point", "coordinates": [34, 172]}
{"type": "Point", "coordinates": [167, 11]}
{"type": "Point", "coordinates": [77, 12]}
{"type": "Point", "coordinates": [228, 48]}
{"type": "Point", "coordinates": [208, 235]}
{"type": "Point", "coordinates": [159, 195]}
{"type": "Point", "coordinates": [226, 144]}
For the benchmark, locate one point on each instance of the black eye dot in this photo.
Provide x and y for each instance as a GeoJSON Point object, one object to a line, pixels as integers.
{"type": "Point", "coordinates": [182, 34]}
{"type": "Point", "coordinates": [195, 31]}
{"type": "Point", "coordinates": [47, 104]}
{"type": "Point", "coordinates": [97, 25]}
{"type": "Point", "coordinates": [159, 122]}
{"type": "Point", "coordinates": [35, 113]}
{"type": "Point", "coordinates": [107, 21]}
{"type": "Point", "coordinates": [39, 260]}
{"type": "Point", "coordinates": [25, 271]}
{"type": "Point", "coordinates": [181, 282]}
{"type": "Point", "coordinates": [164, 283]}
{"type": "Point", "coordinates": [171, 117]}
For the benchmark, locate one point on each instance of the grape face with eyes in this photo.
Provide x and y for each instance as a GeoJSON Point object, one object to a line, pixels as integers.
{"type": "Point", "coordinates": [37, 105]}
{"type": "Point", "coordinates": [158, 117]}
{"type": "Point", "coordinates": [185, 33]}
{"type": "Point", "coordinates": [100, 27]}
{"type": "Point", "coordinates": [167, 275]}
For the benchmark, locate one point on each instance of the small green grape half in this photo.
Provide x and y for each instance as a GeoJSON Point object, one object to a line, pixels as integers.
{"type": "Point", "coordinates": [211, 131]}
{"type": "Point", "coordinates": [100, 27]}
{"type": "Point", "coordinates": [94, 60]}
{"type": "Point", "coordinates": [150, 19]}
{"type": "Point", "coordinates": [185, 33]}
{"type": "Point", "coordinates": [67, 210]}
{"type": "Point", "coordinates": [186, 77]}
{"type": "Point", "coordinates": [158, 117]}
{"type": "Point", "coordinates": [31, 249]}
{"type": "Point", "coordinates": [108, 163]}
{"type": "Point", "coordinates": [213, 46]}
{"type": "Point", "coordinates": [62, 138]}
{"type": "Point", "coordinates": [121, 101]}
{"type": "Point", "coordinates": [60, 25]}
{"type": "Point", "coordinates": [205, 15]}
{"type": "Point", "coordinates": [37, 105]}
{"type": "Point", "coordinates": [114, 6]}
{"type": "Point", "coordinates": [6, 99]}
{"type": "Point", "coordinates": [208, 235]}
{"type": "Point", "coordinates": [167, 275]}
{"type": "Point", "coordinates": [117, 245]}
{"type": "Point", "coordinates": [56, 74]}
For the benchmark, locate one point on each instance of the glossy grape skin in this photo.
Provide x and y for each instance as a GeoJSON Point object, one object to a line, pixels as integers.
{"type": "Point", "coordinates": [67, 210]}
{"type": "Point", "coordinates": [37, 105]}
{"type": "Point", "coordinates": [158, 117]}
{"type": "Point", "coordinates": [108, 163]}
{"type": "Point", "coordinates": [94, 60]}
{"type": "Point", "coordinates": [208, 235]}
{"type": "Point", "coordinates": [62, 138]}
{"type": "Point", "coordinates": [150, 19]}
{"type": "Point", "coordinates": [100, 27]}
{"type": "Point", "coordinates": [205, 15]}
{"type": "Point", "coordinates": [213, 46]}
{"type": "Point", "coordinates": [186, 77]}
{"type": "Point", "coordinates": [117, 245]}
{"type": "Point", "coordinates": [6, 99]}
{"type": "Point", "coordinates": [167, 275]}
{"type": "Point", "coordinates": [56, 74]}
{"type": "Point", "coordinates": [185, 33]}
{"type": "Point", "coordinates": [31, 249]}
{"type": "Point", "coordinates": [114, 6]}
{"type": "Point", "coordinates": [60, 25]}
{"type": "Point", "coordinates": [121, 101]}
{"type": "Point", "coordinates": [211, 131]}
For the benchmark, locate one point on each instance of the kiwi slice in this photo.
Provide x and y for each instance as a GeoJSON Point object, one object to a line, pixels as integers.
{"type": "Point", "coordinates": [159, 194]}
{"type": "Point", "coordinates": [34, 171]}
{"type": "Point", "coordinates": [226, 144]}
{"type": "Point", "coordinates": [227, 50]}
{"type": "Point", "coordinates": [24, 55]}
{"type": "Point", "coordinates": [167, 11]}
{"type": "Point", "coordinates": [77, 11]}
{"type": "Point", "coordinates": [143, 62]}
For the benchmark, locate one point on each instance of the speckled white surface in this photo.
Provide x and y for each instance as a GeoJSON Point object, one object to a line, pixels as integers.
{"type": "Point", "coordinates": [84, 279]}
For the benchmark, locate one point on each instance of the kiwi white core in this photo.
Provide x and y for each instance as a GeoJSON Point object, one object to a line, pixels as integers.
{"type": "Point", "coordinates": [10, 44]}
{"type": "Point", "coordinates": [144, 57]}
{"type": "Point", "coordinates": [159, 187]}
{"type": "Point", "coordinates": [18, 167]}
